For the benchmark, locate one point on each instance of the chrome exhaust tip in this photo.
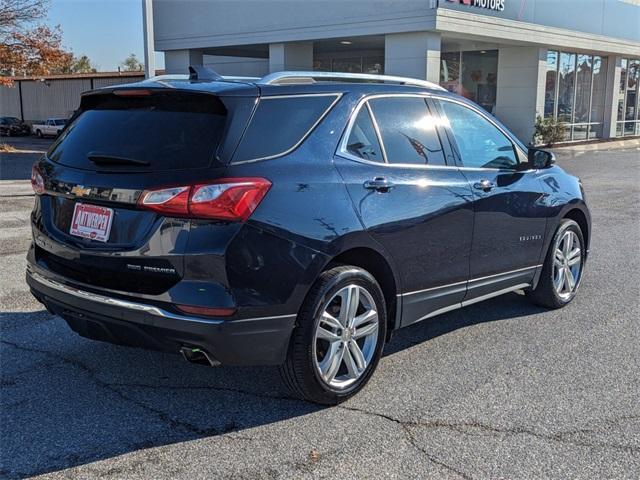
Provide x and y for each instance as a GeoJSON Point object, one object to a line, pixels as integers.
{"type": "Point", "coordinates": [198, 356]}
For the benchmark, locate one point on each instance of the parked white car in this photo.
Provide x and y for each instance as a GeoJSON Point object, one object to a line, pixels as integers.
{"type": "Point", "coordinates": [52, 127]}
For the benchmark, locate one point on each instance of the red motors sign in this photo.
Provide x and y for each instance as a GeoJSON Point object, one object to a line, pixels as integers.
{"type": "Point", "coordinates": [497, 5]}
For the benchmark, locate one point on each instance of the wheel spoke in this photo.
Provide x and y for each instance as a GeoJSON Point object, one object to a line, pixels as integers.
{"type": "Point", "coordinates": [559, 257]}
{"type": "Point", "coordinates": [330, 320]}
{"type": "Point", "coordinates": [366, 317]}
{"type": "Point", "coordinates": [568, 244]}
{"type": "Point", "coordinates": [324, 334]}
{"type": "Point", "coordinates": [349, 306]}
{"type": "Point", "coordinates": [574, 257]}
{"type": "Point", "coordinates": [571, 282]}
{"type": "Point", "coordinates": [350, 363]}
{"type": "Point", "coordinates": [331, 364]}
{"type": "Point", "coordinates": [559, 280]}
{"type": "Point", "coordinates": [358, 356]}
{"type": "Point", "coordinates": [366, 330]}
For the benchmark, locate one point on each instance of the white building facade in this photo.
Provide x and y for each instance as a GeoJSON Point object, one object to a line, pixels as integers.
{"type": "Point", "coordinates": [574, 60]}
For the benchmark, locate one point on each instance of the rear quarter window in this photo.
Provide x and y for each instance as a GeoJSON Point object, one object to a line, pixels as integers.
{"type": "Point", "coordinates": [280, 124]}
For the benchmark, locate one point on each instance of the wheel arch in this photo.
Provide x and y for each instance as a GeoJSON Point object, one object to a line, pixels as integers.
{"type": "Point", "coordinates": [377, 265]}
{"type": "Point", "coordinates": [578, 216]}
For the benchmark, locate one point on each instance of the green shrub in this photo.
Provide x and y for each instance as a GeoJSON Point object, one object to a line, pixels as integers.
{"type": "Point", "coordinates": [548, 131]}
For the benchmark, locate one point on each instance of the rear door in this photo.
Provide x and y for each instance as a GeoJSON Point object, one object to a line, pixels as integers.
{"type": "Point", "coordinates": [510, 221]}
{"type": "Point", "coordinates": [410, 200]}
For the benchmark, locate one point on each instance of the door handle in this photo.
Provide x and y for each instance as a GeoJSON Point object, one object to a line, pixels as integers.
{"type": "Point", "coordinates": [484, 185]}
{"type": "Point", "coordinates": [379, 184]}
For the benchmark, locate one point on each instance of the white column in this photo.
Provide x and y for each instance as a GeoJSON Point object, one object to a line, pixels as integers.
{"type": "Point", "coordinates": [520, 88]}
{"type": "Point", "coordinates": [178, 61]}
{"type": "Point", "coordinates": [290, 56]}
{"type": "Point", "coordinates": [612, 95]}
{"type": "Point", "coordinates": [147, 31]}
{"type": "Point", "coordinates": [414, 54]}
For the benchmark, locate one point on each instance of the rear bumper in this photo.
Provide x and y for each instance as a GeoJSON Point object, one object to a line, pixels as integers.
{"type": "Point", "coordinates": [243, 341]}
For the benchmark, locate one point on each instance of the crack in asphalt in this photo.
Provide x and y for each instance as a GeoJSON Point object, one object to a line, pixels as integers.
{"type": "Point", "coordinates": [171, 421]}
{"type": "Point", "coordinates": [467, 428]}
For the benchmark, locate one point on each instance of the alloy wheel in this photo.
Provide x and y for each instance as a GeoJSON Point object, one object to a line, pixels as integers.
{"type": "Point", "coordinates": [345, 337]}
{"type": "Point", "coordinates": [567, 265]}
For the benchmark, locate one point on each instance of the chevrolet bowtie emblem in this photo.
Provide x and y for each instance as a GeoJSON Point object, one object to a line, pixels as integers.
{"type": "Point", "coordinates": [80, 191]}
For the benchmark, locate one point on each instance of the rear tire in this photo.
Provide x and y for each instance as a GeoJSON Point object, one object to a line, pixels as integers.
{"type": "Point", "coordinates": [38, 133]}
{"type": "Point", "coordinates": [339, 336]}
{"type": "Point", "coordinates": [562, 269]}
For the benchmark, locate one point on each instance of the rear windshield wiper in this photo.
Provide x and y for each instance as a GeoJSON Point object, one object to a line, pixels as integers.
{"type": "Point", "coordinates": [107, 159]}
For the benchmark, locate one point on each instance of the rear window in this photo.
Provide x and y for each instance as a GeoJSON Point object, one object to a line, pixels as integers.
{"type": "Point", "coordinates": [281, 124]}
{"type": "Point", "coordinates": [161, 131]}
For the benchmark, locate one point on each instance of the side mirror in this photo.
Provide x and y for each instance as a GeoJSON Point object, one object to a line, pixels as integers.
{"type": "Point", "coordinates": [541, 158]}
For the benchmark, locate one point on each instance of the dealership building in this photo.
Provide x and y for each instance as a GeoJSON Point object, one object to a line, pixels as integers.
{"type": "Point", "coordinates": [574, 60]}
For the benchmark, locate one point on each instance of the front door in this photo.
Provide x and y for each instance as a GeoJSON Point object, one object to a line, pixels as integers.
{"type": "Point", "coordinates": [509, 222]}
{"type": "Point", "coordinates": [410, 201]}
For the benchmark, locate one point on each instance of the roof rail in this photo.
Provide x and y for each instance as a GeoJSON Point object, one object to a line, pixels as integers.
{"type": "Point", "coordinates": [292, 77]}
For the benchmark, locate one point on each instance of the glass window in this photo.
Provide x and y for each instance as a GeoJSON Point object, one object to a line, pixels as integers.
{"type": "Point", "coordinates": [280, 123]}
{"type": "Point", "coordinates": [633, 72]}
{"type": "Point", "coordinates": [551, 84]}
{"type": "Point", "coordinates": [450, 70]}
{"type": "Point", "coordinates": [363, 141]}
{"type": "Point", "coordinates": [163, 131]}
{"type": "Point", "coordinates": [480, 143]}
{"type": "Point", "coordinates": [599, 86]}
{"type": "Point", "coordinates": [408, 131]}
{"type": "Point", "coordinates": [566, 87]}
{"type": "Point", "coordinates": [347, 65]}
{"type": "Point", "coordinates": [623, 75]}
{"type": "Point", "coordinates": [584, 72]}
{"type": "Point", "coordinates": [479, 77]}
{"type": "Point", "coordinates": [374, 65]}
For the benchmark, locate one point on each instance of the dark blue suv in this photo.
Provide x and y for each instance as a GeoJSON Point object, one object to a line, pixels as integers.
{"type": "Point", "coordinates": [293, 220]}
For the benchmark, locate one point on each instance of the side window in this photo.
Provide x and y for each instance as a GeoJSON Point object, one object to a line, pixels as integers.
{"type": "Point", "coordinates": [280, 123]}
{"type": "Point", "coordinates": [408, 130]}
{"type": "Point", "coordinates": [480, 143]}
{"type": "Point", "coordinates": [363, 141]}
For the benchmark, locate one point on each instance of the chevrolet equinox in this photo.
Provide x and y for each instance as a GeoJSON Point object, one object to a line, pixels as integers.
{"type": "Point", "coordinates": [293, 220]}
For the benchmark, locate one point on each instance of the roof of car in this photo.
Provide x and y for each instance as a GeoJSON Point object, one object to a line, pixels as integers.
{"type": "Point", "coordinates": [284, 83]}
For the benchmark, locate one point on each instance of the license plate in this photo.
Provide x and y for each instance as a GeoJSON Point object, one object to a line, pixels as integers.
{"type": "Point", "coordinates": [91, 221]}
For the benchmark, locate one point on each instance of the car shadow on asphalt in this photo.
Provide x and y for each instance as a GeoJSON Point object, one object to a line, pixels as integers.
{"type": "Point", "coordinates": [67, 401]}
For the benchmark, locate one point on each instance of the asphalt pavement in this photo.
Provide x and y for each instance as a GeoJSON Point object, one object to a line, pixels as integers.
{"type": "Point", "coordinates": [501, 389]}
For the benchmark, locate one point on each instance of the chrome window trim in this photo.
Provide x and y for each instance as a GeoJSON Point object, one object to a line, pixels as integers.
{"type": "Point", "coordinates": [133, 306]}
{"type": "Point", "coordinates": [471, 280]}
{"type": "Point", "coordinates": [303, 138]}
{"type": "Point", "coordinates": [342, 146]}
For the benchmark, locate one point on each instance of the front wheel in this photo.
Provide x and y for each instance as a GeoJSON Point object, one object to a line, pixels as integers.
{"type": "Point", "coordinates": [339, 336]}
{"type": "Point", "coordinates": [563, 267]}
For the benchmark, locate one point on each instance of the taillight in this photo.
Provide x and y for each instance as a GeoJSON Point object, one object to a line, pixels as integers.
{"type": "Point", "coordinates": [170, 201]}
{"type": "Point", "coordinates": [231, 199]}
{"type": "Point", "coordinates": [37, 182]}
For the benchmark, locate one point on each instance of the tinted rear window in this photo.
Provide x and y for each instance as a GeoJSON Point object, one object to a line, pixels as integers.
{"type": "Point", "coordinates": [281, 123]}
{"type": "Point", "coordinates": [165, 131]}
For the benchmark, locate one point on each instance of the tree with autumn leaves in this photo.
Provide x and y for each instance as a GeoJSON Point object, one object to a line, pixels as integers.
{"type": "Point", "coordinates": [29, 47]}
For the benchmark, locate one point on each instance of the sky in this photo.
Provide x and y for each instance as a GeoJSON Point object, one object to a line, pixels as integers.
{"type": "Point", "coordinates": [107, 31]}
